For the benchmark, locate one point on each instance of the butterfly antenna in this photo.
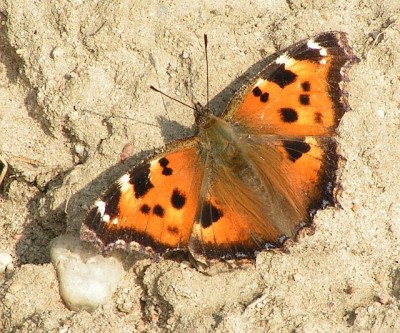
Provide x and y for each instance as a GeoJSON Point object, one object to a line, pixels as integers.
{"type": "Point", "coordinates": [205, 49]}
{"type": "Point", "coordinates": [174, 99]}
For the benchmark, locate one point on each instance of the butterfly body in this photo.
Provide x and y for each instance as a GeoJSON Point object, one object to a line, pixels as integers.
{"type": "Point", "coordinates": [249, 179]}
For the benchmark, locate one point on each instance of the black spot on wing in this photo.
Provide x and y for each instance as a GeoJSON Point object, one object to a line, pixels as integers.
{"type": "Point", "coordinates": [158, 210]}
{"type": "Point", "coordinates": [209, 214]}
{"type": "Point", "coordinates": [288, 115]}
{"type": "Point", "coordinates": [178, 199]}
{"type": "Point", "coordinates": [296, 149]}
{"type": "Point", "coordinates": [163, 163]}
{"type": "Point", "coordinates": [264, 97]}
{"type": "Point", "coordinates": [173, 230]}
{"type": "Point", "coordinates": [282, 77]}
{"type": "Point", "coordinates": [306, 86]}
{"type": "Point", "coordinates": [257, 92]}
{"type": "Point", "coordinates": [304, 99]}
{"type": "Point", "coordinates": [140, 180]}
{"type": "Point", "coordinates": [145, 209]}
{"type": "Point", "coordinates": [167, 171]}
{"type": "Point", "coordinates": [318, 117]}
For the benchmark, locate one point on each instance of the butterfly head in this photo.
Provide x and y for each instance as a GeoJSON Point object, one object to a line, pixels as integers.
{"type": "Point", "coordinates": [202, 115]}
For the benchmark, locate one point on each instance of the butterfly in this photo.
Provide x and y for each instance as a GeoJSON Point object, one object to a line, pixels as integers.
{"type": "Point", "coordinates": [248, 180]}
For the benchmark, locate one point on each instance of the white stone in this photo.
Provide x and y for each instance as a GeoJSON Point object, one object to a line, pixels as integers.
{"type": "Point", "coordinates": [86, 280]}
{"type": "Point", "coordinates": [79, 149]}
{"type": "Point", "coordinates": [5, 262]}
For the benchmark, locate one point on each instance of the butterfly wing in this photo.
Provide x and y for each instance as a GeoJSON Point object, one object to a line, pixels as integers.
{"type": "Point", "coordinates": [301, 93]}
{"type": "Point", "coordinates": [258, 200]}
{"type": "Point", "coordinates": [232, 220]}
{"type": "Point", "coordinates": [153, 205]}
{"type": "Point", "coordinates": [286, 121]}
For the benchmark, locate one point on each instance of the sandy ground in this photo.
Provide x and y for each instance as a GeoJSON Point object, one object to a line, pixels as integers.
{"type": "Point", "coordinates": [74, 78]}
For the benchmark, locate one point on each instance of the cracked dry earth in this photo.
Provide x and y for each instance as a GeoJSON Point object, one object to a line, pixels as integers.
{"type": "Point", "coordinates": [74, 80]}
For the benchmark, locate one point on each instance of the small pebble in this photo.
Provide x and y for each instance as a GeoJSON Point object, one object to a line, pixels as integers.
{"type": "Point", "coordinates": [56, 52]}
{"type": "Point", "coordinates": [6, 262]}
{"type": "Point", "coordinates": [79, 149]}
{"type": "Point", "coordinates": [185, 55]}
{"type": "Point", "coordinates": [127, 152]}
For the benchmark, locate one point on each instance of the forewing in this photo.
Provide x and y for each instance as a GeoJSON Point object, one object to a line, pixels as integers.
{"type": "Point", "coordinates": [302, 92]}
{"type": "Point", "coordinates": [153, 205]}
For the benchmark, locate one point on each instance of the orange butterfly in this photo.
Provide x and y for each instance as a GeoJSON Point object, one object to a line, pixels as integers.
{"type": "Point", "coordinates": [249, 179]}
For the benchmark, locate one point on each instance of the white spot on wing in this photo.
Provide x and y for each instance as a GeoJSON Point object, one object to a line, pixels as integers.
{"type": "Point", "coordinates": [323, 62]}
{"type": "Point", "coordinates": [115, 221]}
{"type": "Point", "coordinates": [101, 207]}
{"type": "Point", "coordinates": [284, 59]}
{"type": "Point", "coordinates": [315, 46]}
{"type": "Point", "coordinates": [259, 82]}
{"type": "Point", "coordinates": [124, 183]}
{"type": "Point", "coordinates": [106, 218]}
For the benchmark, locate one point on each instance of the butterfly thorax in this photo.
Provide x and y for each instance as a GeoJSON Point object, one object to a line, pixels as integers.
{"type": "Point", "coordinates": [219, 140]}
{"type": "Point", "coordinates": [217, 137]}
